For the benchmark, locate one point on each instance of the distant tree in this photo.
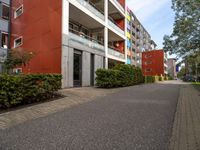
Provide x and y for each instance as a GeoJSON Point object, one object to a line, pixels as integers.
{"type": "Point", "coordinates": [181, 73]}
{"type": "Point", "coordinates": [185, 39]}
{"type": "Point", "coordinates": [18, 57]}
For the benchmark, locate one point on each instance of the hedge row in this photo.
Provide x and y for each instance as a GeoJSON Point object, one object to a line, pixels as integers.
{"type": "Point", "coordinates": [121, 75]}
{"type": "Point", "coordinates": [22, 89]}
{"type": "Point", "coordinates": [150, 79]}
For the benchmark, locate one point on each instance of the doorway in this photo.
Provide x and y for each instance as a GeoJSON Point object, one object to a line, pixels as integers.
{"type": "Point", "coordinates": [77, 68]}
{"type": "Point", "coordinates": [92, 70]}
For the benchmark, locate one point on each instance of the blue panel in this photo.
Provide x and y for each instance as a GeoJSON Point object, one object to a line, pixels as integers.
{"type": "Point", "coordinates": [128, 44]}
{"type": "Point", "coordinates": [128, 61]}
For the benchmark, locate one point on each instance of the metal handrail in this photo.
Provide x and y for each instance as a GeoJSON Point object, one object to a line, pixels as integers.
{"type": "Point", "coordinates": [81, 34]}
{"type": "Point", "coordinates": [109, 46]}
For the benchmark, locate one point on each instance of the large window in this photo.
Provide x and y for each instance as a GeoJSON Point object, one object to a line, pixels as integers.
{"type": "Point", "coordinates": [4, 40]}
{"type": "Point", "coordinates": [5, 13]}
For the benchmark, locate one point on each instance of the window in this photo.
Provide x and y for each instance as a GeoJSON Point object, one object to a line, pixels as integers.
{"type": "Point", "coordinates": [18, 11]}
{"type": "Point", "coordinates": [148, 56]}
{"type": "Point", "coordinates": [5, 12]}
{"type": "Point", "coordinates": [4, 40]}
{"type": "Point", "coordinates": [148, 70]}
{"type": "Point", "coordinates": [148, 62]}
{"type": "Point", "coordinates": [18, 42]}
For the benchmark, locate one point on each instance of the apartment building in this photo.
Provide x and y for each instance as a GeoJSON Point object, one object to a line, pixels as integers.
{"type": "Point", "coordinates": [4, 30]}
{"type": "Point", "coordinates": [171, 63]}
{"type": "Point", "coordinates": [71, 37]}
{"type": "Point", "coordinates": [138, 39]}
{"type": "Point", "coordinates": [154, 63]}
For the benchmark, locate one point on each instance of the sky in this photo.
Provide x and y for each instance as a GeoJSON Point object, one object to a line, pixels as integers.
{"type": "Point", "coordinates": [156, 16]}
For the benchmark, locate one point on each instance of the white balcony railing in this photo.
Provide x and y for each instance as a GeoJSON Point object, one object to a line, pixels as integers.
{"type": "Point", "coordinates": [116, 53]}
{"type": "Point", "coordinates": [113, 25]}
{"type": "Point", "coordinates": [85, 41]}
{"type": "Point", "coordinates": [92, 8]}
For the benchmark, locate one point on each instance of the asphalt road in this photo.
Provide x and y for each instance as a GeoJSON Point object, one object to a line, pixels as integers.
{"type": "Point", "coordinates": [136, 118]}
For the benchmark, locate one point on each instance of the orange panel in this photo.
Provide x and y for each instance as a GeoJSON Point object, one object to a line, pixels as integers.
{"type": "Point", "coordinates": [156, 57]}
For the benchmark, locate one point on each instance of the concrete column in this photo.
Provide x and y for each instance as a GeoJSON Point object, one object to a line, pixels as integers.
{"type": "Point", "coordinates": [98, 63]}
{"type": "Point", "coordinates": [67, 67]}
{"type": "Point", "coordinates": [106, 33]}
{"type": "Point", "coordinates": [65, 49]}
{"type": "Point", "coordinates": [86, 66]}
{"type": "Point", "coordinates": [126, 49]}
{"type": "Point", "coordinates": [106, 46]}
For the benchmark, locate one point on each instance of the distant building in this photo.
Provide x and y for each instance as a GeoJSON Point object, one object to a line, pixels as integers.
{"type": "Point", "coordinates": [171, 63]}
{"type": "Point", "coordinates": [138, 39]}
{"type": "Point", "coordinates": [154, 63]}
{"type": "Point", "coordinates": [4, 30]}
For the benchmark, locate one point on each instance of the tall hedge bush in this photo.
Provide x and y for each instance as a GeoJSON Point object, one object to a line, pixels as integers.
{"type": "Point", "coordinates": [21, 89]}
{"type": "Point", "coordinates": [150, 79]}
{"type": "Point", "coordinates": [121, 75]}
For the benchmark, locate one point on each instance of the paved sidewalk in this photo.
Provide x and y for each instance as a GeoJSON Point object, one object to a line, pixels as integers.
{"type": "Point", "coordinates": [186, 128]}
{"type": "Point", "coordinates": [73, 97]}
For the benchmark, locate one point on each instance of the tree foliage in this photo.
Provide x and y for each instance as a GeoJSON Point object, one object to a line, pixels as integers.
{"type": "Point", "coordinates": [18, 57]}
{"type": "Point", "coordinates": [185, 38]}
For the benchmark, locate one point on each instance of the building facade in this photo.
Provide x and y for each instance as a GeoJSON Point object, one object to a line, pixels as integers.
{"type": "Point", "coordinates": [71, 37]}
{"type": "Point", "coordinates": [171, 63]}
{"type": "Point", "coordinates": [4, 30]}
{"type": "Point", "coordinates": [138, 39]}
{"type": "Point", "coordinates": [154, 63]}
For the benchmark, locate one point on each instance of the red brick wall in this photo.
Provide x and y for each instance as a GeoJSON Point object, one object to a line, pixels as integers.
{"type": "Point", "coordinates": [40, 27]}
{"type": "Point", "coordinates": [157, 63]}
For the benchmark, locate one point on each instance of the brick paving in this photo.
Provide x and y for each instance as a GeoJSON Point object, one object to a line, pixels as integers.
{"type": "Point", "coordinates": [73, 97]}
{"type": "Point", "coordinates": [186, 128]}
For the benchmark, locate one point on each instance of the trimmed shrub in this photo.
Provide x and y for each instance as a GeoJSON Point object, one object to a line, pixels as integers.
{"type": "Point", "coordinates": [23, 89]}
{"type": "Point", "coordinates": [160, 78]}
{"type": "Point", "coordinates": [149, 79]}
{"type": "Point", "coordinates": [121, 75]}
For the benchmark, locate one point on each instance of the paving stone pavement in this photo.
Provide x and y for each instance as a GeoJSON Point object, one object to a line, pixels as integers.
{"type": "Point", "coordinates": [73, 97]}
{"type": "Point", "coordinates": [186, 128]}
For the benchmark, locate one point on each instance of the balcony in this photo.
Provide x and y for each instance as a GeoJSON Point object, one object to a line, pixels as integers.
{"type": "Point", "coordinates": [85, 40]}
{"type": "Point", "coordinates": [91, 7]}
{"type": "Point", "coordinates": [119, 5]}
{"type": "Point", "coordinates": [114, 26]}
{"type": "Point", "coordinates": [115, 53]}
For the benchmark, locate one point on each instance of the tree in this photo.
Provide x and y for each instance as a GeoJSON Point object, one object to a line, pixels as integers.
{"type": "Point", "coordinates": [185, 38]}
{"type": "Point", "coordinates": [181, 73]}
{"type": "Point", "coordinates": [18, 57]}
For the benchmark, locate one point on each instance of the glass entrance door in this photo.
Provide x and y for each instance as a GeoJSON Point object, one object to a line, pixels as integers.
{"type": "Point", "coordinates": [77, 68]}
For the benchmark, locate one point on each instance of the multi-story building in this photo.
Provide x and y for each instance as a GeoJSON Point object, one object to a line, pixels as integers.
{"type": "Point", "coordinates": [71, 37]}
{"type": "Point", "coordinates": [154, 63]}
{"type": "Point", "coordinates": [4, 30]}
{"type": "Point", "coordinates": [138, 39]}
{"type": "Point", "coordinates": [171, 63]}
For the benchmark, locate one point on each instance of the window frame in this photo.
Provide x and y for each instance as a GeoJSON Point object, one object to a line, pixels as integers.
{"type": "Point", "coordinates": [16, 40]}
{"type": "Point", "coordinates": [3, 32]}
{"type": "Point", "coordinates": [1, 15]}
{"type": "Point", "coordinates": [15, 13]}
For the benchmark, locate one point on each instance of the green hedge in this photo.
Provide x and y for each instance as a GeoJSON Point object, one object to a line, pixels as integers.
{"type": "Point", "coordinates": [121, 75]}
{"type": "Point", "coordinates": [22, 89]}
{"type": "Point", "coordinates": [150, 79]}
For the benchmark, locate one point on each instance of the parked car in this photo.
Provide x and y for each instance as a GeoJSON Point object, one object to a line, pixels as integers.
{"type": "Point", "coordinates": [188, 78]}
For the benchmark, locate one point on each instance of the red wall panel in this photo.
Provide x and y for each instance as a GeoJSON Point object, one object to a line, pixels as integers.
{"type": "Point", "coordinates": [122, 2]}
{"type": "Point", "coordinates": [120, 23]}
{"type": "Point", "coordinates": [40, 27]}
{"type": "Point", "coordinates": [156, 57]}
